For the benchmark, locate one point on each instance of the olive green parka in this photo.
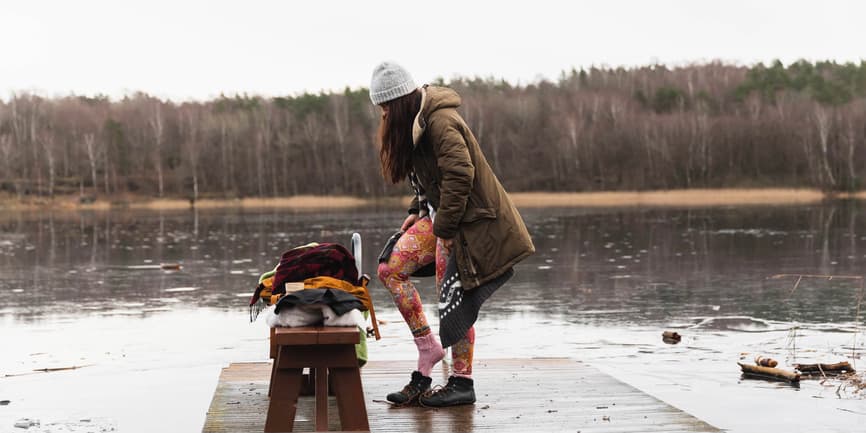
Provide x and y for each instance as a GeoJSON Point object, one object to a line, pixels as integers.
{"type": "Point", "coordinates": [472, 207]}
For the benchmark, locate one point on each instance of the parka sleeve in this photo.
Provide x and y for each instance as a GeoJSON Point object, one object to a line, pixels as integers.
{"type": "Point", "coordinates": [458, 174]}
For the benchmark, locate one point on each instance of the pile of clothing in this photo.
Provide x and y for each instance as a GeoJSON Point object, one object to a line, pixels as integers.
{"type": "Point", "coordinates": [316, 284]}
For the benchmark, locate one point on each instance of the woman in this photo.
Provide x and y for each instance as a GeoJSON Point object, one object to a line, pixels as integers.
{"type": "Point", "coordinates": [461, 219]}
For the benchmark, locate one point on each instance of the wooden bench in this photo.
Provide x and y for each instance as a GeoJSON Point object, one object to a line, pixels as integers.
{"type": "Point", "coordinates": [329, 353]}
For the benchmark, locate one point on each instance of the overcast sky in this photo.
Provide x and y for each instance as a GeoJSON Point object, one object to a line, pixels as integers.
{"type": "Point", "coordinates": [185, 49]}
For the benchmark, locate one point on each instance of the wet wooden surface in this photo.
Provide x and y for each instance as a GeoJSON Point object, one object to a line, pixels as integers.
{"type": "Point", "coordinates": [549, 395]}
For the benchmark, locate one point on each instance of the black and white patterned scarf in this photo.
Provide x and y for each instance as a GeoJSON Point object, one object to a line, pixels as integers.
{"type": "Point", "coordinates": [458, 308]}
{"type": "Point", "coordinates": [423, 204]}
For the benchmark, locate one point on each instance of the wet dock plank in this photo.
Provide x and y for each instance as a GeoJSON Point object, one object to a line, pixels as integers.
{"type": "Point", "coordinates": [548, 395]}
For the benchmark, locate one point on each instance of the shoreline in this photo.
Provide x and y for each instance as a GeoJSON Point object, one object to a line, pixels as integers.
{"type": "Point", "coordinates": [601, 199]}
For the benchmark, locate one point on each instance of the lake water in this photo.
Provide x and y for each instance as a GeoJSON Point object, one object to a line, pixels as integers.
{"type": "Point", "coordinates": [78, 289]}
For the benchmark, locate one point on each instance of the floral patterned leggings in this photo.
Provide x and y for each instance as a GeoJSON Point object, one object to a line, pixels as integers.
{"type": "Point", "coordinates": [415, 249]}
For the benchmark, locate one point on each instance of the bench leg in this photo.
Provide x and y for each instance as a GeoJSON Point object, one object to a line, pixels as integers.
{"type": "Point", "coordinates": [350, 394]}
{"type": "Point", "coordinates": [321, 399]}
{"type": "Point", "coordinates": [273, 355]}
{"type": "Point", "coordinates": [273, 375]}
{"type": "Point", "coordinates": [285, 387]}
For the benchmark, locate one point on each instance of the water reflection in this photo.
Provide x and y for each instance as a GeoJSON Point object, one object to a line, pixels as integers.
{"type": "Point", "coordinates": [655, 265]}
{"type": "Point", "coordinates": [601, 288]}
{"type": "Point", "coordinates": [632, 266]}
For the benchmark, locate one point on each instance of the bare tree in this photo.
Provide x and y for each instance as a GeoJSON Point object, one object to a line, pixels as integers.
{"type": "Point", "coordinates": [708, 125]}
{"type": "Point", "coordinates": [47, 141]}
{"type": "Point", "coordinates": [6, 152]}
{"type": "Point", "coordinates": [92, 155]}
{"type": "Point", "coordinates": [822, 123]}
{"type": "Point", "coordinates": [156, 123]}
{"type": "Point", "coordinates": [340, 115]}
{"type": "Point", "coordinates": [190, 122]}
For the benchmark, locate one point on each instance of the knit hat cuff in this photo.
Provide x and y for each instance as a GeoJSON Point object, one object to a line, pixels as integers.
{"type": "Point", "coordinates": [395, 92]}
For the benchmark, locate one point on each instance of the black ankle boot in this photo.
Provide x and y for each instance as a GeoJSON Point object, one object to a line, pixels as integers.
{"type": "Point", "coordinates": [417, 386]}
{"type": "Point", "coordinates": [459, 390]}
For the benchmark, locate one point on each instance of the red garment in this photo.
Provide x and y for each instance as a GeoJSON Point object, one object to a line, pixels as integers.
{"type": "Point", "coordinates": [322, 260]}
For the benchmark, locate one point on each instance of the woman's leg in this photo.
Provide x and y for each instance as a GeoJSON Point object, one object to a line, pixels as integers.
{"type": "Point", "coordinates": [415, 249]}
{"type": "Point", "coordinates": [462, 351]}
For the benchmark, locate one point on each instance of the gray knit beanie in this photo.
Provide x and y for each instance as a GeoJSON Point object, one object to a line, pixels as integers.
{"type": "Point", "coordinates": [390, 81]}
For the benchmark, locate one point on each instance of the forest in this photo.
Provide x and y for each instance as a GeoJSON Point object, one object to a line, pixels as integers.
{"type": "Point", "coordinates": [593, 129]}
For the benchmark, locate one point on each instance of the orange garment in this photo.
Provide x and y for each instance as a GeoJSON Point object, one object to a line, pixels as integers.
{"type": "Point", "coordinates": [267, 293]}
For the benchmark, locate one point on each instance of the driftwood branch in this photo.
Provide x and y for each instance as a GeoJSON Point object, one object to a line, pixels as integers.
{"type": "Point", "coordinates": [822, 276]}
{"type": "Point", "coordinates": [769, 373]}
{"type": "Point", "coordinates": [46, 370]}
{"type": "Point", "coordinates": [824, 369]}
{"type": "Point", "coordinates": [51, 370]}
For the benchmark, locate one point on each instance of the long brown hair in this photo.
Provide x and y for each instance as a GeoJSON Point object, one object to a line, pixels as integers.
{"type": "Point", "coordinates": [395, 134]}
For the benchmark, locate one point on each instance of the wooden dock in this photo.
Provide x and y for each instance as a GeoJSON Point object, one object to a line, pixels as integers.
{"type": "Point", "coordinates": [519, 395]}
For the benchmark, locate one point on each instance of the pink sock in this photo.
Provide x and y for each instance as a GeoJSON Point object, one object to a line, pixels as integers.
{"type": "Point", "coordinates": [429, 353]}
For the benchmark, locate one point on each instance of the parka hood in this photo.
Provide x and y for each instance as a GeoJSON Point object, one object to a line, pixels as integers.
{"type": "Point", "coordinates": [432, 98]}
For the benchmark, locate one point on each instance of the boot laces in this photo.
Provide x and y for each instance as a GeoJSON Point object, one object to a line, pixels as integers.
{"type": "Point", "coordinates": [429, 393]}
{"type": "Point", "coordinates": [412, 387]}
{"type": "Point", "coordinates": [441, 390]}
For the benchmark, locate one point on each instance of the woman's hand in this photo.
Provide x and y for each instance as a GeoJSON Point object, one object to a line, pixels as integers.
{"type": "Point", "coordinates": [409, 222]}
{"type": "Point", "coordinates": [448, 243]}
